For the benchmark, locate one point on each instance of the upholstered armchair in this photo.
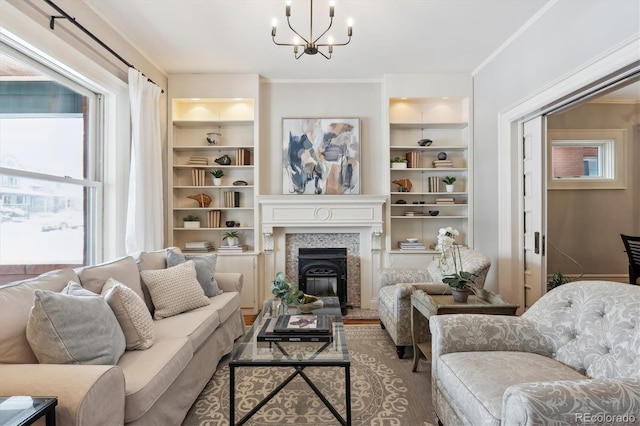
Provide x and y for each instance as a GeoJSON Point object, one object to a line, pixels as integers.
{"type": "Point", "coordinates": [572, 358]}
{"type": "Point", "coordinates": [395, 286]}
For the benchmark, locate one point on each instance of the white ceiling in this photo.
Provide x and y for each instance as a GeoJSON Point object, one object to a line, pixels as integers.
{"type": "Point", "coordinates": [389, 36]}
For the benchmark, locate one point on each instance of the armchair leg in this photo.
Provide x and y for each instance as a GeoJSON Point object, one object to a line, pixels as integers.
{"type": "Point", "coordinates": [382, 325]}
{"type": "Point", "coordinates": [400, 351]}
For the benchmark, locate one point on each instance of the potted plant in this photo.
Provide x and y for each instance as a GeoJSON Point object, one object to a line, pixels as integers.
{"type": "Point", "coordinates": [557, 280]}
{"type": "Point", "coordinates": [398, 163]}
{"type": "Point", "coordinates": [448, 181]}
{"type": "Point", "coordinates": [217, 176]}
{"type": "Point", "coordinates": [460, 281]}
{"type": "Point", "coordinates": [281, 290]}
{"type": "Point", "coordinates": [231, 237]}
{"type": "Point", "coordinates": [191, 221]}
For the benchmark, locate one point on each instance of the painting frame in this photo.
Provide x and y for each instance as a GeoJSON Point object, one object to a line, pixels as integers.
{"type": "Point", "coordinates": [321, 156]}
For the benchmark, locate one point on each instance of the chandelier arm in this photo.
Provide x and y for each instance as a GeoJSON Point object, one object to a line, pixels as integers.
{"type": "Point", "coordinates": [325, 31]}
{"type": "Point", "coordinates": [335, 44]}
{"type": "Point", "coordinates": [298, 56]}
{"type": "Point", "coordinates": [326, 57]}
{"type": "Point", "coordinates": [297, 33]}
{"type": "Point", "coordinates": [282, 44]}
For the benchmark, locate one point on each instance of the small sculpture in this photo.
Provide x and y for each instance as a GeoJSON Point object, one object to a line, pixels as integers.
{"type": "Point", "coordinates": [425, 142]}
{"type": "Point", "coordinates": [212, 138]}
{"type": "Point", "coordinates": [203, 199]}
{"type": "Point", "coordinates": [225, 160]}
{"type": "Point", "coordinates": [405, 185]}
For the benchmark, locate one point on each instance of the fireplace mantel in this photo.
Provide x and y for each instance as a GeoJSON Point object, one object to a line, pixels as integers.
{"type": "Point", "coordinates": [318, 211]}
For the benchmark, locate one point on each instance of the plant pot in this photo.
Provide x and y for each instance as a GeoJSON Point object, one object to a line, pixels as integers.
{"type": "Point", "coordinates": [191, 224]}
{"type": "Point", "coordinates": [449, 188]}
{"type": "Point", "coordinates": [217, 181]}
{"type": "Point", "coordinates": [460, 295]}
{"type": "Point", "coordinates": [399, 165]}
{"type": "Point", "coordinates": [232, 241]}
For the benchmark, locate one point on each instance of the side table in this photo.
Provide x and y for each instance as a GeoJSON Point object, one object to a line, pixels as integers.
{"type": "Point", "coordinates": [438, 304]}
{"type": "Point", "coordinates": [25, 410]}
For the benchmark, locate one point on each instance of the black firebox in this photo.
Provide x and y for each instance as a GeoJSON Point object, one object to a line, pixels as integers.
{"type": "Point", "coordinates": [323, 272]}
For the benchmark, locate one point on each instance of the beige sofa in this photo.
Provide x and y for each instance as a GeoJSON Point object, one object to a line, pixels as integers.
{"type": "Point", "coordinates": [572, 358]}
{"type": "Point", "coordinates": [155, 386]}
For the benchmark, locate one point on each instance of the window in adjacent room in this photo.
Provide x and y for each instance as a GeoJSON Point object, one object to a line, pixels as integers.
{"type": "Point", "coordinates": [586, 159]}
{"type": "Point", "coordinates": [50, 182]}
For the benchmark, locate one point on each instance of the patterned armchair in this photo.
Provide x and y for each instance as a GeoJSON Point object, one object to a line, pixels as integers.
{"type": "Point", "coordinates": [396, 284]}
{"type": "Point", "coordinates": [572, 358]}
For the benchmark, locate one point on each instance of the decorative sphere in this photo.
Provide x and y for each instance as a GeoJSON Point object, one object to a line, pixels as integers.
{"type": "Point", "coordinates": [442, 156]}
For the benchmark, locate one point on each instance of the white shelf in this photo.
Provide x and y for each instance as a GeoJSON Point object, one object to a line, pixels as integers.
{"type": "Point", "coordinates": [210, 147]}
{"type": "Point", "coordinates": [211, 123]}
{"type": "Point", "coordinates": [457, 125]}
{"type": "Point", "coordinates": [428, 148]}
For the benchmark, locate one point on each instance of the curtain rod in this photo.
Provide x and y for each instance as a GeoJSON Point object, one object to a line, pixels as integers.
{"type": "Point", "coordinates": [71, 19]}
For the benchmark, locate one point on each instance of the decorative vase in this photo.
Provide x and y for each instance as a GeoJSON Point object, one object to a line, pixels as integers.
{"type": "Point", "coordinates": [281, 308]}
{"type": "Point", "coordinates": [191, 224]}
{"type": "Point", "coordinates": [217, 181]}
{"type": "Point", "coordinates": [449, 188]}
{"type": "Point", "coordinates": [460, 295]}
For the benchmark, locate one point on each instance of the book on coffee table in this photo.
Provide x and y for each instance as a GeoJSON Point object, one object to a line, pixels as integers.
{"type": "Point", "coordinates": [268, 332]}
{"type": "Point", "coordinates": [308, 324]}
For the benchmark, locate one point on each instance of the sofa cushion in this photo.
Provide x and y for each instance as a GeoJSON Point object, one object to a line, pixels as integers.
{"type": "Point", "coordinates": [480, 379]}
{"type": "Point", "coordinates": [174, 290]}
{"type": "Point", "coordinates": [225, 304]}
{"type": "Point", "coordinates": [75, 326]}
{"type": "Point", "coordinates": [124, 270]}
{"type": "Point", "coordinates": [205, 269]}
{"type": "Point", "coordinates": [148, 374]}
{"type": "Point", "coordinates": [16, 300]}
{"type": "Point", "coordinates": [132, 314]}
{"type": "Point", "coordinates": [197, 325]}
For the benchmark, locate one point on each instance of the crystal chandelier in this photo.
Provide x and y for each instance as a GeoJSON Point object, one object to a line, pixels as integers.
{"type": "Point", "coordinates": [310, 45]}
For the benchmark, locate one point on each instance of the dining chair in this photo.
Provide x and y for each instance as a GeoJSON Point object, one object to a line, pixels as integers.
{"type": "Point", "coordinates": [632, 247]}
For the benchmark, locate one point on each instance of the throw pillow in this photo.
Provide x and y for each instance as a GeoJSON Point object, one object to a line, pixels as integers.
{"type": "Point", "coordinates": [205, 269]}
{"type": "Point", "coordinates": [125, 270]}
{"type": "Point", "coordinates": [174, 290]}
{"type": "Point", "coordinates": [75, 326]}
{"type": "Point", "coordinates": [132, 314]}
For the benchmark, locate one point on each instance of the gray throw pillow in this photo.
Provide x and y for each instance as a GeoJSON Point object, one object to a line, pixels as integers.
{"type": "Point", "coordinates": [75, 326]}
{"type": "Point", "coordinates": [205, 269]}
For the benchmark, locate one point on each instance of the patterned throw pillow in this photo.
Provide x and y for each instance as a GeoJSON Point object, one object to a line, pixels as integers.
{"type": "Point", "coordinates": [174, 290]}
{"type": "Point", "coordinates": [75, 326]}
{"type": "Point", "coordinates": [132, 314]}
{"type": "Point", "coordinates": [205, 269]}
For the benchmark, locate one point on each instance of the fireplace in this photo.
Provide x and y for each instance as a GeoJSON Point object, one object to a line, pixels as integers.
{"type": "Point", "coordinates": [323, 272]}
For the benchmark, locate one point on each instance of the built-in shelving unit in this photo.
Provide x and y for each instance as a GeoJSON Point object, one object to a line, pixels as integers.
{"type": "Point", "coordinates": [208, 123]}
{"type": "Point", "coordinates": [444, 121]}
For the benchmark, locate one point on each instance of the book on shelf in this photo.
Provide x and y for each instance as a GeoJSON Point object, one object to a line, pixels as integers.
{"type": "Point", "coordinates": [414, 246]}
{"type": "Point", "coordinates": [442, 163]}
{"type": "Point", "coordinates": [413, 160]}
{"type": "Point", "coordinates": [268, 334]}
{"type": "Point", "coordinates": [198, 177]}
{"type": "Point", "coordinates": [197, 247]}
{"type": "Point", "coordinates": [232, 199]}
{"type": "Point", "coordinates": [232, 249]}
{"type": "Point", "coordinates": [445, 200]}
{"type": "Point", "coordinates": [243, 157]}
{"type": "Point", "coordinates": [213, 218]}
{"type": "Point", "coordinates": [204, 161]}
{"type": "Point", "coordinates": [434, 184]}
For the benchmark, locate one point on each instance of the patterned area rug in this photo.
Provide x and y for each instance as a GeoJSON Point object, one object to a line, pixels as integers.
{"type": "Point", "coordinates": [384, 391]}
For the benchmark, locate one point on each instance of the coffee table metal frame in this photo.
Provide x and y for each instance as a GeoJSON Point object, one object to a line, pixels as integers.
{"type": "Point", "coordinates": [42, 406]}
{"type": "Point", "coordinates": [251, 353]}
{"type": "Point", "coordinates": [427, 305]}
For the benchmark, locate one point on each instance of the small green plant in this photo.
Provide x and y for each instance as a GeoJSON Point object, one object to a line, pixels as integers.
{"type": "Point", "coordinates": [217, 173]}
{"type": "Point", "coordinates": [230, 234]}
{"type": "Point", "coordinates": [281, 289]}
{"type": "Point", "coordinates": [398, 160]}
{"type": "Point", "coordinates": [191, 218]}
{"type": "Point", "coordinates": [557, 280]}
{"type": "Point", "coordinates": [449, 180]}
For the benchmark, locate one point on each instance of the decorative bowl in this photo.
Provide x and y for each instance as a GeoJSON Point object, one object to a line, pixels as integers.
{"type": "Point", "coordinates": [434, 212]}
{"type": "Point", "coordinates": [312, 303]}
{"type": "Point", "coordinates": [425, 142]}
{"type": "Point", "coordinates": [412, 240]}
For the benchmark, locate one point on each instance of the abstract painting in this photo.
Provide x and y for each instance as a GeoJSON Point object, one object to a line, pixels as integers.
{"type": "Point", "coordinates": [321, 156]}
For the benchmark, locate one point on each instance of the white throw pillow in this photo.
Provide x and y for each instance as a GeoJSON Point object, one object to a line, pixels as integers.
{"type": "Point", "coordinates": [132, 314]}
{"type": "Point", "coordinates": [174, 290]}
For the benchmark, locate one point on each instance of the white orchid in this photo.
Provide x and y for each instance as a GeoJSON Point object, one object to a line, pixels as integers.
{"type": "Point", "coordinates": [446, 239]}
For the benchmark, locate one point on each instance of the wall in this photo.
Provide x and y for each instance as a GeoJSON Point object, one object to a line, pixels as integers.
{"type": "Point", "coordinates": [586, 224]}
{"type": "Point", "coordinates": [562, 40]}
{"type": "Point", "coordinates": [353, 99]}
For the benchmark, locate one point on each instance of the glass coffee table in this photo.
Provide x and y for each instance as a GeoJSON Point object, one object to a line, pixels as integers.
{"type": "Point", "coordinates": [278, 354]}
{"type": "Point", "coordinates": [25, 410]}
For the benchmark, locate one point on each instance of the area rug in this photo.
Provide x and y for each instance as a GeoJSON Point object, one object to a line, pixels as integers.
{"type": "Point", "coordinates": [384, 390]}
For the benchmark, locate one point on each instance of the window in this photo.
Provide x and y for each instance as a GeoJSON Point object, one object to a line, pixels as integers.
{"type": "Point", "coordinates": [49, 174]}
{"type": "Point", "coordinates": [586, 159]}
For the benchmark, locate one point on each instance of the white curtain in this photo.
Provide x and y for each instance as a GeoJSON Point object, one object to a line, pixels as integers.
{"type": "Point", "coordinates": [145, 226]}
